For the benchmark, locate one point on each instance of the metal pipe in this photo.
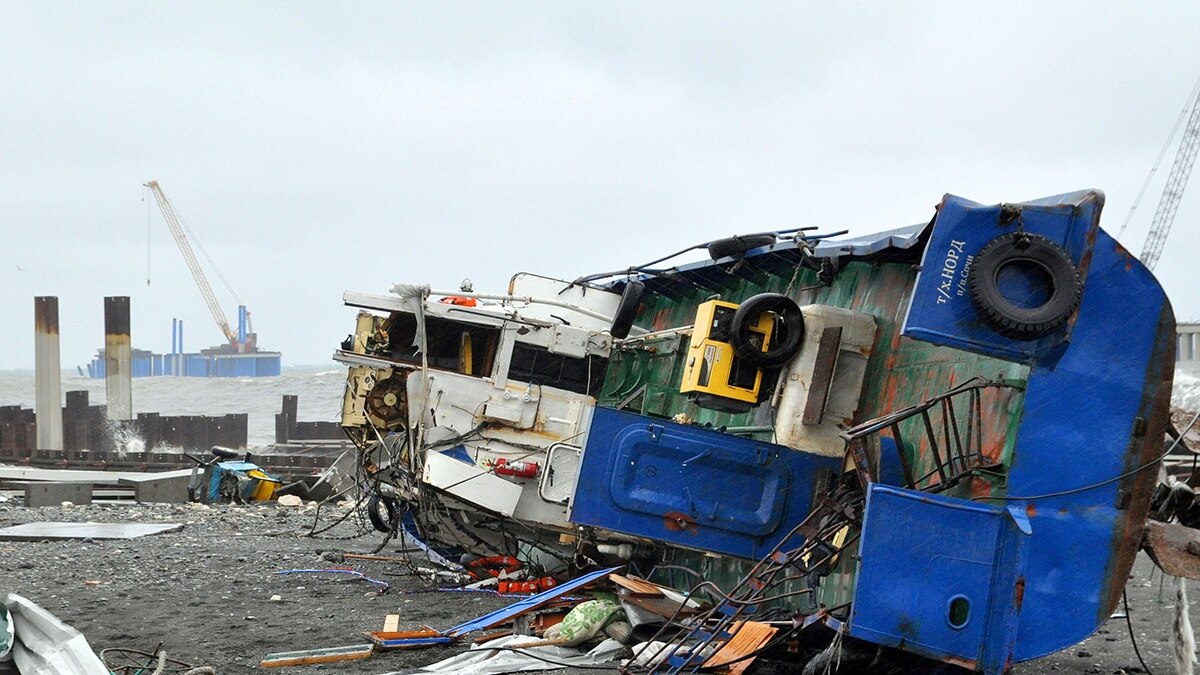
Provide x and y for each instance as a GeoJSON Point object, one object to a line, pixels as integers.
{"type": "Point", "coordinates": [118, 359]}
{"type": "Point", "coordinates": [526, 299]}
{"type": "Point", "coordinates": [679, 330]}
{"type": "Point", "coordinates": [48, 384]}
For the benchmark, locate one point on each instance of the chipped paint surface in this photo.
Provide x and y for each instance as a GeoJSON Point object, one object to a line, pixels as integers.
{"type": "Point", "coordinates": [1039, 448]}
{"type": "Point", "coordinates": [908, 372]}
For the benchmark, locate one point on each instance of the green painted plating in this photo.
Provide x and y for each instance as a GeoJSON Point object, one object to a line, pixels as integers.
{"type": "Point", "coordinates": [645, 376]}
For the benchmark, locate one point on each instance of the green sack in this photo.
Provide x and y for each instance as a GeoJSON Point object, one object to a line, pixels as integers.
{"type": "Point", "coordinates": [584, 622]}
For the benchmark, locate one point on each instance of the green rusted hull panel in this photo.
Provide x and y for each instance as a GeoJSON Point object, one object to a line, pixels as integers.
{"type": "Point", "coordinates": [900, 372]}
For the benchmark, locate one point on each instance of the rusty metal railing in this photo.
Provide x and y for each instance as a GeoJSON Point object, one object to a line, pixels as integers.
{"type": "Point", "coordinates": [955, 445]}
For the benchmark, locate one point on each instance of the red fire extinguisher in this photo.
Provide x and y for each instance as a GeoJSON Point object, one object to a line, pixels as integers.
{"type": "Point", "coordinates": [519, 469]}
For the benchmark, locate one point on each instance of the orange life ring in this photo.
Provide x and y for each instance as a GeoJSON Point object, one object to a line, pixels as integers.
{"type": "Point", "coordinates": [492, 566]}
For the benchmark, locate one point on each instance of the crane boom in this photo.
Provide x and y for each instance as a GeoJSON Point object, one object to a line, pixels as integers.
{"type": "Point", "coordinates": [1177, 180]}
{"type": "Point", "coordinates": [189, 257]}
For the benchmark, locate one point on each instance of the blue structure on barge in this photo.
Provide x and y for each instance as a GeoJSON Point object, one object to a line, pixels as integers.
{"type": "Point", "coordinates": [243, 360]}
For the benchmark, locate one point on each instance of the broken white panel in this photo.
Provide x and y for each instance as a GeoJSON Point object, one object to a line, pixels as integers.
{"type": "Point", "coordinates": [507, 655]}
{"type": "Point", "coordinates": [46, 646]}
{"type": "Point", "coordinates": [593, 300]}
{"type": "Point", "coordinates": [800, 386]}
{"type": "Point", "coordinates": [471, 484]}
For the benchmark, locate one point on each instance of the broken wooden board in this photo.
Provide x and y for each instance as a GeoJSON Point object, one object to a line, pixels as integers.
{"type": "Point", "coordinates": [664, 606]}
{"type": "Point", "coordinates": [51, 530]}
{"type": "Point", "coordinates": [377, 558]}
{"type": "Point", "coordinates": [636, 585]}
{"type": "Point", "coordinates": [385, 640]}
{"type": "Point", "coordinates": [391, 623]}
{"type": "Point", "coordinates": [310, 656]}
{"type": "Point", "coordinates": [748, 638]}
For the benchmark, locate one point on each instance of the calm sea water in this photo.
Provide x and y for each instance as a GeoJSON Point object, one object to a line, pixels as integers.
{"type": "Point", "coordinates": [319, 388]}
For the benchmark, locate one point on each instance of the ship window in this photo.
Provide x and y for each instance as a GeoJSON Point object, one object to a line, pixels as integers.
{"type": "Point", "coordinates": [959, 611]}
{"type": "Point", "coordinates": [461, 347]}
{"type": "Point", "coordinates": [538, 366]}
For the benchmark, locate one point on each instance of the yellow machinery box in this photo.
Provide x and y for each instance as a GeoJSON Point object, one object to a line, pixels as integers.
{"type": "Point", "coordinates": [714, 375]}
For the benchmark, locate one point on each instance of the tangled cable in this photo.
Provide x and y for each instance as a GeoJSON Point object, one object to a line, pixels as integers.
{"type": "Point", "coordinates": [129, 661]}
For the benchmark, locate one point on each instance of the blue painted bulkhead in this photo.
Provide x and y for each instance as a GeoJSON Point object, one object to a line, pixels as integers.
{"type": "Point", "coordinates": [693, 487]}
{"type": "Point", "coordinates": [939, 577]}
{"type": "Point", "coordinates": [1083, 465]}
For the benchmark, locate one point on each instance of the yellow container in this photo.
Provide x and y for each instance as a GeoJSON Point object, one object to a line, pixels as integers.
{"type": "Point", "coordinates": [713, 374]}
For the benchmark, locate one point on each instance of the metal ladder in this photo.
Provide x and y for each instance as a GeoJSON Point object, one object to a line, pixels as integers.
{"type": "Point", "coordinates": [809, 549]}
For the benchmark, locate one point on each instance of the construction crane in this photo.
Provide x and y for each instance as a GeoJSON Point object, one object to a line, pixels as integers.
{"type": "Point", "coordinates": [241, 340]}
{"type": "Point", "coordinates": [1177, 180]}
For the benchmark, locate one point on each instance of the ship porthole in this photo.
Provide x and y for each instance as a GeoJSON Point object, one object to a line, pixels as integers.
{"type": "Point", "coordinates": [958, 612]}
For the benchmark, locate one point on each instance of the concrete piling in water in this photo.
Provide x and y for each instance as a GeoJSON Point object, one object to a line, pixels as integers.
{"type": "Point", "coordinates": [48, 385]}
{"type": "Point", "coordinates": [118, 358]}
{"type": "Point", "coordinates": [1187, 344]}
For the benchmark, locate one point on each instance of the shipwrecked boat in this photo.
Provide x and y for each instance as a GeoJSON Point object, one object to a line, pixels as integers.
{"type": "Point", "coordinates": [942, 440]}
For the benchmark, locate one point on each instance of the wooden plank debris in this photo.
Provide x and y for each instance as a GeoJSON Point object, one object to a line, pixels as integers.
{"type": "Point", "coordinates": [311, 656]}
{"type": "Point", "coordinates": [748, 637]}
{"type": "Point", "coordinates": [636, 585]}
{"type": "Point", "coordinates": [407, 639]}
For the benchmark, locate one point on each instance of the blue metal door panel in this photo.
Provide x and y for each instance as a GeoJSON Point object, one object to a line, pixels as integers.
{"type": "Point", "coordinates": [692, 486]}
{"type": "Point", "coordinates": [939, 577]}
{"type": "Point", "coordinates": [660, 470]}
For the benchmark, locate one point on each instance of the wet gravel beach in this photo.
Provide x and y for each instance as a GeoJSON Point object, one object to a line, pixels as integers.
{"type": "Point", "coordinates": [205, 593]}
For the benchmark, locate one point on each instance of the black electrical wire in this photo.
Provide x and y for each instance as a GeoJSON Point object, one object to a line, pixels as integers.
{"type": "Point", "coordinates": [1132, 639]}
{"type": "Point", "coordinates": [645, 268]}
{"type": "Point", "coordinates": [1085, 488]}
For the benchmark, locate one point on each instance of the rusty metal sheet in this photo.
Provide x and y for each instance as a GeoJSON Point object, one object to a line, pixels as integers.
{"type": "Point", "coordinates": [822, 377]}
{"type": "Point", "coordinates": [1174, 548]}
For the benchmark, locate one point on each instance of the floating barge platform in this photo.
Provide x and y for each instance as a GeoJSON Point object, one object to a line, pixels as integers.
{"type": "Point", "coordinates": [207, 363]}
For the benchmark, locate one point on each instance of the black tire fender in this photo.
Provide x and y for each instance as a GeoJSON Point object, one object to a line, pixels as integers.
{"type": "Point", "coordinates": [386, 519]}
{"type": "Point", "coordinates": [737, 246]}
{"type": "Point", "coordinates": [782, 348]}
{"type": "Point", "coordinates": [631, 299]}
{"type": "Point", "coordinates": [1042, 262]}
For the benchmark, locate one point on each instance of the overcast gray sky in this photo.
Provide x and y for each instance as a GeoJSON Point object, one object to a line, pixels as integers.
{"type": "Point", "coordinates": [319, 147]}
